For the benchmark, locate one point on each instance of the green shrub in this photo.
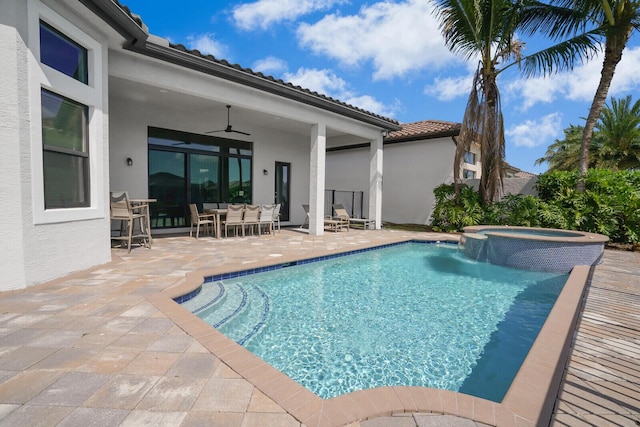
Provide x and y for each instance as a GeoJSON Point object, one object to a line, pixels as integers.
{"type": "Point", "coordinates": [610, 205]}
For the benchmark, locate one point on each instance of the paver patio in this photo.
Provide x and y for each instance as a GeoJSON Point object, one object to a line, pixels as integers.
{"type": "Point", "coordinates": [92, 349]}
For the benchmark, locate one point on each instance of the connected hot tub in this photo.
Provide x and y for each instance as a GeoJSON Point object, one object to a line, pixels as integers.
{"type": "Point", "coordinates": [539, 249]}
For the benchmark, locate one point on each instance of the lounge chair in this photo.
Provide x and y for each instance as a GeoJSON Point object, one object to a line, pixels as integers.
{"type": "Point", "coordinates": [342, 213]}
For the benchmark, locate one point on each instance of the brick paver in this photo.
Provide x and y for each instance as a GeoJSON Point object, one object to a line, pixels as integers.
{"type": "Point", "coordinates": [91, 348]}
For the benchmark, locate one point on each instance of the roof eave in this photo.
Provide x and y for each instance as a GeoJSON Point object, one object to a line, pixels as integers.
{"type": "Point", "coordinates": [236, 75]}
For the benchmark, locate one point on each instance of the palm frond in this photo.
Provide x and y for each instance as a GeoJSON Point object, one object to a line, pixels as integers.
{"type": "Point", "coordinates": [562, 56]}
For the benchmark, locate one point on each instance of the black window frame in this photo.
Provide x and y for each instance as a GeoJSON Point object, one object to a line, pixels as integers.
{"type": "Point", "coordinates": [81, 73]}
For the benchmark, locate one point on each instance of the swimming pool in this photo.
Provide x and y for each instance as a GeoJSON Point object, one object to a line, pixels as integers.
{"type": "Point", "coordinates": [387, 317]}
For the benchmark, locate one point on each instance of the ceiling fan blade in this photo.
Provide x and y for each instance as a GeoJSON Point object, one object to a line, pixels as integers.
{"type": "Point", "coordinates": [228, 129]}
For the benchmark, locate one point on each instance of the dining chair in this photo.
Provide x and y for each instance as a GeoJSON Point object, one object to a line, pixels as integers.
{"type": "Point", "coordinates": [251, 217]}
{"type": "Point", "coordinates": [266, 218]}
{"type": "Point", "coordinates": [276, 216]}
{"type": "Point", "coordinates": [121, 210]}
{"type": "Point", "coordinates": [199, 219]}
{"type": "Point", "coordinates": [234, 219]}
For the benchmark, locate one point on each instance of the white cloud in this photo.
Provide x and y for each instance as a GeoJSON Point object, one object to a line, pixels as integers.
{"type": "Point", "coordinates": [208, 45]}
{"type": "Point", "coordinates": [580, 84]}
{"type": "Point", "coordinates": [270, 65]}
{"type": "Point", "coordinates": [534, 133]}
{"type": "Point", "coordinates": [328, 83]}
{"type": "Point", "coordinates": [264, 13]}
{"type": "Point", "coordinates": [449, 88]}
{"type": "Point", "coordinates": [397, 38]}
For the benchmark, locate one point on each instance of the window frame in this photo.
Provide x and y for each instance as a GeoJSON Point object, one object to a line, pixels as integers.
{"type": "Point", "coordinates": [473, 157]}
{"type": "Point", "coordinates": [92, 95]}
{"type": "Point", "coordinates": [83, 154]}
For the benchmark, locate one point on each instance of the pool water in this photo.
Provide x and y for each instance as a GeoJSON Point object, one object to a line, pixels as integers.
{"type": "Point", "coordinates": [413, 315]}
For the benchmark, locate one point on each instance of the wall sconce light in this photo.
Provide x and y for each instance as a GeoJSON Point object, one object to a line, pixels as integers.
{"type": "Point", "coordinates": [129, 161]}
{"type": "Point", "coordinates": [385, 133]}
{"type": "Point", "coordinates": [265, 172]}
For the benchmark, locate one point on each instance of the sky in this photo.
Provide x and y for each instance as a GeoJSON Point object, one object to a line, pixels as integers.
{"type": "Point", "coordinates": [387, 57]}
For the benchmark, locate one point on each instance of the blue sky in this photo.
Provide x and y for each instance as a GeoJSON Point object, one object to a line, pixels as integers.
{"type": "Point", "coordinates": [387, 57]}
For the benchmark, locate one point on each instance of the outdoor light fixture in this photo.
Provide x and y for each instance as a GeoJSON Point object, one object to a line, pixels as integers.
{"type": "Point", "coordinates": [129, 161]}
{"type": "Point", "coordinates": [265, 172]}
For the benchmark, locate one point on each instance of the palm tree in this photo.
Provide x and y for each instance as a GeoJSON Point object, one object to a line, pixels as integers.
{"type": "Point", "coordinates": [617, 19]}
{"type": "Point", "coordinates": [619, 132]}
{"type": "Point", "coordinates": [564, 154]}
{"type": "Point", "coordinates": [486, 29]}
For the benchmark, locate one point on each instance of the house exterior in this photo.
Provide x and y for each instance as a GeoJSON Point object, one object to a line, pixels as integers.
{"type": "Point", "coordinates": [92, 102]}
{"type": "Point", "coordinates": [417, 158]}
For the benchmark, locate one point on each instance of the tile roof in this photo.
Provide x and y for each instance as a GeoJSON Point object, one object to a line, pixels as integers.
{"type": "Point", "coordinates": [424, 129]}
{"type": "Point", "coordinates": [249, 72]}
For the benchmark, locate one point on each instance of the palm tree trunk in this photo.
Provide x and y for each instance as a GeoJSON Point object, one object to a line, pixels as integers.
{"type": "Point", "coordinates": [614, 45]}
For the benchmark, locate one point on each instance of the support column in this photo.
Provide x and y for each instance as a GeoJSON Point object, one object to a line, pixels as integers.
{"type": "Point", "coordinates": [375, 181]}
{"type": "Point", "coordinates": [316, 178]}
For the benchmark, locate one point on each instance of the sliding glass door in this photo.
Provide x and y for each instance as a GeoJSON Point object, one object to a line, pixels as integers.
{"type": "Point", "coordinates": [189, 168]}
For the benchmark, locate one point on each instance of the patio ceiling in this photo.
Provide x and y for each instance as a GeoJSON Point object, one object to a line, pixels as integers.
{"type": "Point", "coordinates": [241, 118]}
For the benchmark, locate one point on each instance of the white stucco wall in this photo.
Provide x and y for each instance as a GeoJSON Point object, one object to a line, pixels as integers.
{"type": "Point", "coordinates": [411, 171]}
{"type": "Point", "coordinates": [39, 246]}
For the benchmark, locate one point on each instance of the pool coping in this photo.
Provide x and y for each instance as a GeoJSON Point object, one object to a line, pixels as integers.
{"type": "Point", "coordinates": [584, 237]}
{"type": "Point", "coordinates": [529, 400]}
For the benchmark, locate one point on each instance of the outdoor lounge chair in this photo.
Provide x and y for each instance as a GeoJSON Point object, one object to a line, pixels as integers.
{"type": "Point", "coordinates": [198, 219]}
{"type": "Point", "coordinates": [342, 213]}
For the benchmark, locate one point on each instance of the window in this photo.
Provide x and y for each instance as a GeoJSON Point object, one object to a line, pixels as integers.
{"type": "Point", "coordinates": [189, 168]}
{"type": "Point", "coordinates": [469, 157]}
{"type": "Point", "coordinates": [63, 54]}
{"type": "Point", "coordinates": [65, 152]}
{"type": "Point", "coordinates": [467, 174]}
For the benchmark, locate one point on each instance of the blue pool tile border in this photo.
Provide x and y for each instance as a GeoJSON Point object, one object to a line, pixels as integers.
{"type": "Point", "coordinates": [231, 275]}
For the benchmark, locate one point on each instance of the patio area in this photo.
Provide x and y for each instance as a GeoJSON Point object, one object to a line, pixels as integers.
{"type": "Point", "coordinates": [94, 349]}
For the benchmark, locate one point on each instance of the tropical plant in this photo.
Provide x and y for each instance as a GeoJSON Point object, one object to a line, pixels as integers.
{"type": "Point", "coordinates": [564, 154]}
{"type": "Point", "coordinates": [618, 132]}
{"type": "Point", "coordinates": [453, 213]}
{"type": "Point", "coordinates": [615, 144]}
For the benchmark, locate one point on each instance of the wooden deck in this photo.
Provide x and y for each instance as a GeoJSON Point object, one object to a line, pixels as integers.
{"type": "Point", "coordinates": [601, 386]}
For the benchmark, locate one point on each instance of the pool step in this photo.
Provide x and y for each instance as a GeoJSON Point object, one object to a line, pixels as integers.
{"type": "Point", "coordinates": [239, 311]}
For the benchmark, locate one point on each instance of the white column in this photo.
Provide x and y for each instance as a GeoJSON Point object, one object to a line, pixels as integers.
{"type": "Point", "coordinates": [375, 181]}
{"type": "Point", "coordinates": [316, 178]}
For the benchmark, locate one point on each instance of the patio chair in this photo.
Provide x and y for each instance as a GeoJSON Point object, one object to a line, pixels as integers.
{"type": "Point", "coordinates": [121, 210]}
{"type": "Point", "coordinates": [342, 213]}
{"type": "Point", "coordinates": [276, 216]}
{"type": "Point", "coordinates": [251, 218]}
{"type": "Point", "coordinates": [340, 221]}
{"type": "Point", "coordinates": [306, 219]}
{"type": "Point", "coordinates": [266, 218]}
{"type": "Point", "coordinates": [234, 219]}
{"type": "Point", "coordinates": [199, 219]}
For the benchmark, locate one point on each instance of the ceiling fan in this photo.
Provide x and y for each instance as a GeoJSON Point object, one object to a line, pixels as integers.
{"type": "Point", "coordinates": [228, 129]}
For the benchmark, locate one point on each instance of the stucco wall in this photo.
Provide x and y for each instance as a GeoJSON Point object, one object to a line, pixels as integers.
{"type": "Point", "coordinates": [36, 250]}
{"type": "Point", "coordinates": [14, 141]}
{"type": "Point", "coordinates": [410, 173]}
